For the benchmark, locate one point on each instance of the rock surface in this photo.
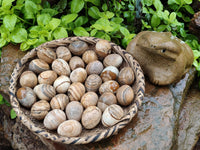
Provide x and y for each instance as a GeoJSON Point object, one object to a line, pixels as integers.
{"type": "Point", "coordinates": [154, 127]}
{"type": "Point", "coordinates": [189, 121]}
{"type": "Point", "coordinates": [9, 57]}
{"type": "Point", "coordinates": [194, 26]}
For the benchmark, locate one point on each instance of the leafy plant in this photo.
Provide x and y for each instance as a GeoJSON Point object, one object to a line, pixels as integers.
{"type": "Point", "coordinates": [12, 112]}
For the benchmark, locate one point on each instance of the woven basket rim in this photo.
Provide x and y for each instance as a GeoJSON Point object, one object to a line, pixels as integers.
{"type": "Point", "coordinates": [84, 139]}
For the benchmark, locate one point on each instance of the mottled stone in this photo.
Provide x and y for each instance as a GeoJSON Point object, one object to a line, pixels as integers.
{"type": "Point", "coordinates": [10, 55]}
{"type": "Point", "coordinates": [194, 26]}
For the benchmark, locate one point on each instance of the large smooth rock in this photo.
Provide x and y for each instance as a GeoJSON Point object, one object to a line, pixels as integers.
{"type": "Point", "coordinates": [189, 120]}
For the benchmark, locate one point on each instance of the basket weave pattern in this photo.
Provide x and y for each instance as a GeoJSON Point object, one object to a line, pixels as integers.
{"type": "Point", "coordinates": [99, 132]}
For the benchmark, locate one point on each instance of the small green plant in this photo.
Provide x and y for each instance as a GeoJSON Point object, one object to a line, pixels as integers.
{"type": "Point", "coordinates": [12, 112]}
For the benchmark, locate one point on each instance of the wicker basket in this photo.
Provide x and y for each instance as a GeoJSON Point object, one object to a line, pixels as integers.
{"type": "Point", "coordinates": [87, 136]}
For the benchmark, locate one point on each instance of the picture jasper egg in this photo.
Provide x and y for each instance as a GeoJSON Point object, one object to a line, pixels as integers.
{"type": "Point", "coordinates": [112, 115]}
{"type": "Point", "coordinates": [38, 66]}
{"type": "Point", "coordinates": [47, 77]}
{"type": "Point", "coordinates": [54, 118]}
{"type": "Point", "coordinates": [40, 109]}
{"type": "Point", "coordinates": [61, 67]}
{"type": "Point", "coordinates": [46, 54]}
{"type": "Point", "coordinates": [26, 96]}
{"type": "Point", "coordinates": [63, 53]}
{"type": "Point", "coordinates": [89, 99]}
{"type": "Point", "coordinates": [28, 79]}
{"type": "Point", "coordinates": [78, 75]}
{"type": "Point", "coordinates": [70, 128]}
{"type": "Point", "coordinates": [76, 62]}
{"type": "Point", "coordinates": [105, 100]}
{"type": "Point", "coordinates": [89, 56]}
{"type": "Point", "coordinates": [78, 47]}
{"type": "Point", "coordinates": [91, 117]}
{"type": "Point", "coordinates": [44, 91]}
{"type": "Point", "coordinates": [93, 82]}
{"type": "Point", "coordinates": [109, 73]}
{"type": "Point", "coordinates": [113, 60]}
{"type": "Point", "coordinates": [59, 101]}
{"type": "Point", "coordinates": [74, 110]}
{"type": "Point", "coordinates": [126, 76]}
{"type": "Point", "coordinates": [94, 67]}
{"type": "Point", "coordinates": [103, 48]}
{"type": "Point", "coordinates": [125, 95]}
{"type": "Point", "coordinates": [109, 86]}
{"type": "Point", "coordinates": [61, 84]}
{"type": "Point", "coordinates": [76, 91]}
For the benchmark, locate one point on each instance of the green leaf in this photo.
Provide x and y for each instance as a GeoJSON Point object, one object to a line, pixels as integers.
{"type": "Point", "coordinates": [158, 5]}
{"type": "Point", "coordinates": [170, 2]}
{"type": "Point", "coordinates": [2, 42]}
{"type": "Point", "coordinates": [60, 32]}
{"type": "Point", "coordinates": [172, 16]}
{"type": "Point", "coordinates": [124, 31]}
{"type": "Point", "coordinates": [40, 41]}
{"type": "Point", "coordinates": [30, 9]}
{"type": "Point", "coordinates": [93, 12]}
{"type": "Point", "coordinates": [37, 1]}
{"type": "Point", "coordinates": [13, 114]}
{"type": "Point", "coordinates": [76, 6]}
{"type": "Point", "coordinates": [103, 24]}
{"type": "Point", "coordinates": [106, 14]}
{"type": "Point", "coordinates": [24, 46]}
{"type": "Point", "coordinates": [32, 41]}
{"type": "Point", "coordinates": [161, 28]}
{"type": "Point", "coordinates": [196, 54]}
{"type": "Point", "coordinates": [165, 15]}
{"type": "Point", "coordinates": [54, 23]}
{"type": "Point", "coordinates": [20, 2]}
{"type": "Point", "coordinates": [117, 20]}
{"type": "Point", "coordinates": [109, 14]}
{"type": "Point", "coordinates": [95, 2]}
{"type": "Point", "coordinates": [18, 35]}
{"type": "Point", "coordinates": [189, 9]}
{"type": "Point", "coordinates": [148, 2]}
{"type": "Point", "coordinates": [81, 21]}
{"type": "Point", "coordinates": [105, 7]}
{"type": "Point", "coordinates": [131, 7]}
{"type": "Point", "coordinates": [80, 31]}
{"type": "Point", "coordinates": [49, 11]}
{"type": "Point", "coordinates": [183, 33]}
{"type": "Point", "coordinates": [1, 100]}
{"type": "Point", "coordinates": [195, 63]}
{"type": "Point", "coordinates": [68, 18]}
{"type": "Point", "coordinates": [7, 3]}
{"type": "Point", "coordinates": [188, 1]}
{"type": "Point", "coordinates": [60, 6]}
{"type": "Point", "coordinates": [155, 21]}
{"type": "Point", "coordinates": [9, 21]}
{"type": "Point", "coordinates": [93, 32]}
{"type": "Point", "coordinates": [43, 19]}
